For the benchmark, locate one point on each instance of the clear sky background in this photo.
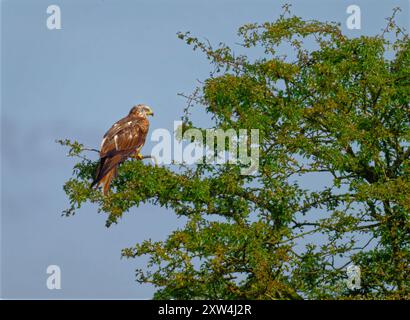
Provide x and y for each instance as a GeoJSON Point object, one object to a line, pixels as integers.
{"type": "Point", "coordinates": [75, 83]}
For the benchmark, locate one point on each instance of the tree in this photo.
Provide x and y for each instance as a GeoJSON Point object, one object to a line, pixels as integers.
{"type": "Point", "coordinates": [341, 110]}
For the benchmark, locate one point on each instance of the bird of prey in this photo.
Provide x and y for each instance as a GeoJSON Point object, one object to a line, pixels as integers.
{"type": "Point", "coordinates": [124, 139]}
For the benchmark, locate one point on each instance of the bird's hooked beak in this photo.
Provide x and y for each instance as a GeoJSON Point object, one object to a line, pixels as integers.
{"type": "Point", "coordinates": [148, 111]}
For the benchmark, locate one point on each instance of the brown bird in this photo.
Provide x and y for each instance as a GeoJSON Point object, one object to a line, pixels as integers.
{"type": "Point", "coordinates": [124, 139]}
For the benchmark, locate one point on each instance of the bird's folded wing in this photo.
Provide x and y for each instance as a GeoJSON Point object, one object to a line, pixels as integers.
{"type": "Point", "coordinates": [124, 137]}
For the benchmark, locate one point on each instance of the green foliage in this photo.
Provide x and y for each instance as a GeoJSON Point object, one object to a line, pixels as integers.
{"type": "Point", "coordinates": [340, 110]}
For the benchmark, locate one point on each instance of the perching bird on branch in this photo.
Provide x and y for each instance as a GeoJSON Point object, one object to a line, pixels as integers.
{"type": "Point", "coordinates": [124, 139]}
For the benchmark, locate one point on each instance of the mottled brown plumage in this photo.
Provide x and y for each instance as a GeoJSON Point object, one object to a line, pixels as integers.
{"type": "Point", "coordinates": [124, 139]}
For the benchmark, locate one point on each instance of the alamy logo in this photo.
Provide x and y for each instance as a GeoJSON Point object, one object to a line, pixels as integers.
{"type": "Point", "coordinates": [354, 20]}
{"type": "Point", "coordinates": [54, 20]}
{"type": "Point", "coordinates": [54, 280]}
{"type": "Point", "coordinates": [209, 146]}
{"type": "Point", "coordinates": [353, 277]}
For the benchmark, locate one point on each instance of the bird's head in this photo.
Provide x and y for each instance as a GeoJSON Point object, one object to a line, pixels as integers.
{"type": "Point", "coordinates": [141, 110]}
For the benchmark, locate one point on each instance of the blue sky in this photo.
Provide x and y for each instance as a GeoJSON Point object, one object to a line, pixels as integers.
{"type": "Point", "coordinates": [74, 83]}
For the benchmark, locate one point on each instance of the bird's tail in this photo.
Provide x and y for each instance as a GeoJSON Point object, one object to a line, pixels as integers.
{"type": "Point", "coordinates": [106, 172]}
{"type": "Point", "coordinates": [98, 174]}
{"type": "Point", "coordinates": [106, 181]}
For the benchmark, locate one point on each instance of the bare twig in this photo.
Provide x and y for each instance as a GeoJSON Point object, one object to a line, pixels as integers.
{"type": "Point", "coordinates": [154, 160]}
{"type": "Point", "coordinates": [91, 149]}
